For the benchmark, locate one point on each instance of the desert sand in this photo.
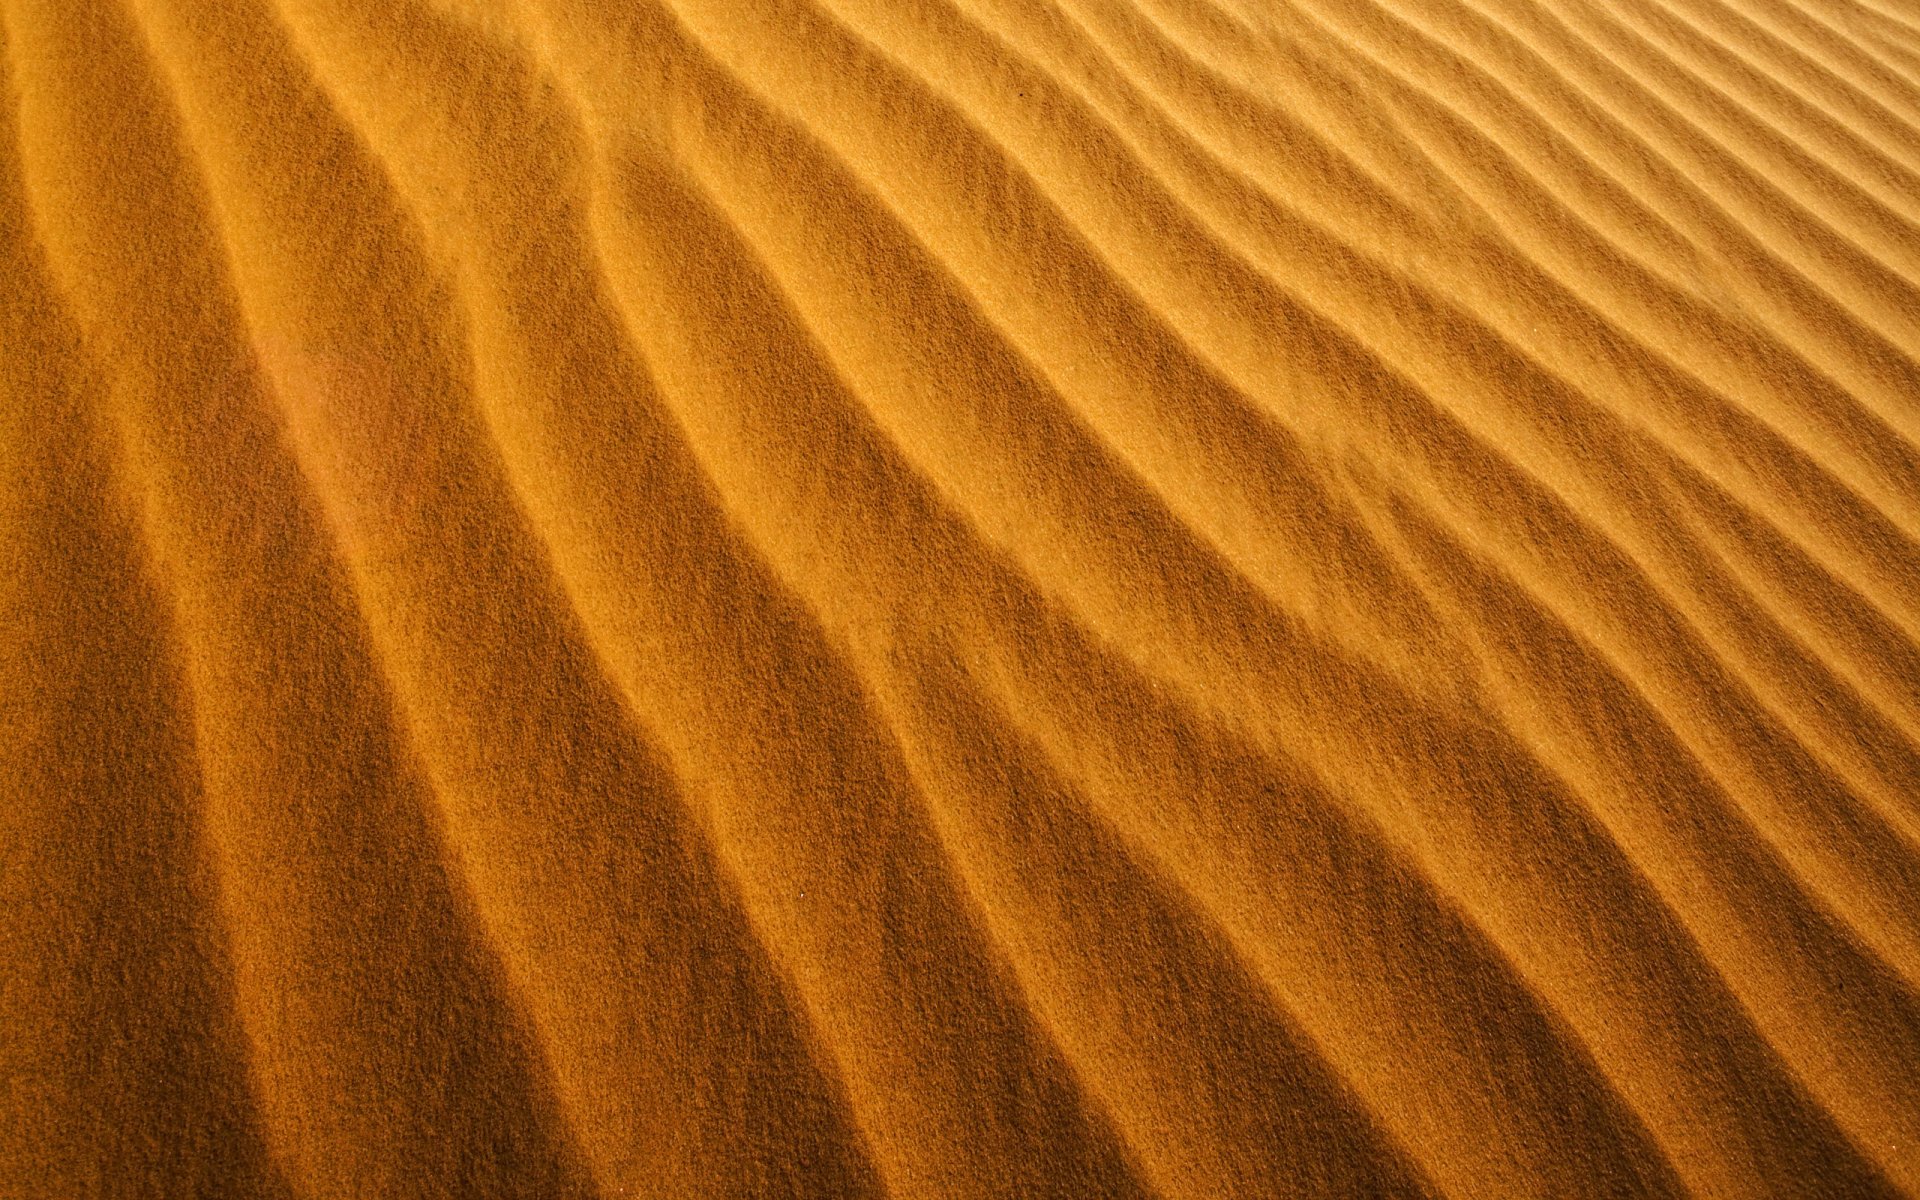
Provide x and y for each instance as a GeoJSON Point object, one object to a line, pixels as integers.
{"type": "Point", "coordinates": [959, 598]}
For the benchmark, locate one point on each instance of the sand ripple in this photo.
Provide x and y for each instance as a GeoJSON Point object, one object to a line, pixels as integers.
{"type": "Point", "coordinates": [1085, 598]}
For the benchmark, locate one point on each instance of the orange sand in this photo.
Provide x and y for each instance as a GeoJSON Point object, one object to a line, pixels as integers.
{"type": "Point", "coordinates": [951, 598]}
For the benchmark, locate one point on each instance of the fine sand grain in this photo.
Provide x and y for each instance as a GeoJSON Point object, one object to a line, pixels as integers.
{"type": "Point", "coordinates": [959, 598]}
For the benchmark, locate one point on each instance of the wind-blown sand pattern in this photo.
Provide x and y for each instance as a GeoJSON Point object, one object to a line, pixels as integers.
{"type": "Point", "coordinates": [951, 598]}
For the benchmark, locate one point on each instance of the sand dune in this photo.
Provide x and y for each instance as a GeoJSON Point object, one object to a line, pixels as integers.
{"type": "Point", "coordinates": [1085, 598]}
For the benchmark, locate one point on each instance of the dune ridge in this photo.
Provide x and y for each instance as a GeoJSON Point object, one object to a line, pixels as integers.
{"type": "Point", "coordinates": [1179, 598]}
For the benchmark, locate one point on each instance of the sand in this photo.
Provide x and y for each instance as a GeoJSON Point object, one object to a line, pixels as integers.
{"type": "Point", "coordinates": [959, 598]}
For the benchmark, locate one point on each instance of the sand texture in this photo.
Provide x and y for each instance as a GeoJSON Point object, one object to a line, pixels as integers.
{"type": "Point", "coordinates": [959, 598]}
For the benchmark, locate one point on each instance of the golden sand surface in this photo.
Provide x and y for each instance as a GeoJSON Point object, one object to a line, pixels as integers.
{"type": "Point", "coordinates": [959, 598]}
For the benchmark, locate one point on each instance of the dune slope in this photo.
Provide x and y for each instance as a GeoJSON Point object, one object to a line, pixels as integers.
{"type": "Point", "coordinates": [951, 598]}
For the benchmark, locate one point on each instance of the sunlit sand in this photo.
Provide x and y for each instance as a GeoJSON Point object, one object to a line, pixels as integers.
{"type": "Point", "coordinates": [959, 598]}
